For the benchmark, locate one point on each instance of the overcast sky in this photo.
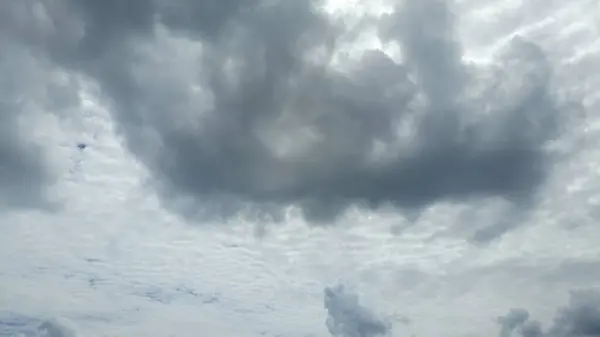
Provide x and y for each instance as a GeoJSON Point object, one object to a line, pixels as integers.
{"type": "Point", "coordinates": [299, 168]}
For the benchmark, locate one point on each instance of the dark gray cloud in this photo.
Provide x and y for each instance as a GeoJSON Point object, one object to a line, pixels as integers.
{"type": "Point", "coordinates": [349, 318]}
{"type": "Point", "coordinates": [257, 117]}
{"type": "Point", "coordinates": [581, 317]}
{"type": "Point", "coordinates": [512, 320]}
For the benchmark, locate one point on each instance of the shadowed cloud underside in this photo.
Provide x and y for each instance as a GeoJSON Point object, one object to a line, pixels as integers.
{"type": "Point", "coordinates": [244, 105]}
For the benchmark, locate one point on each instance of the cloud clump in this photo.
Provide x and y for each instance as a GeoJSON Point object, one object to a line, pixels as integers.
{"type": "Point", "coordinates": [349, 318]}
{"type": "Point", "coordinates": [581, 317]}
{"type": "Point", "coordinates": [245, 107]}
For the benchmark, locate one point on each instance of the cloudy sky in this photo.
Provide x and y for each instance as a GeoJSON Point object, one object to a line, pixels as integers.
{"type": "Point", "coordinates": [304, 168]}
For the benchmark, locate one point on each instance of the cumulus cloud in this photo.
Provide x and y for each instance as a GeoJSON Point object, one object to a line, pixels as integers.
{"type": "Point", "coordinates": [349, 318]}
{"type": "Point", "coordinates": [581, 317]}
{"type": "Point", "coordinates": [239, 105]}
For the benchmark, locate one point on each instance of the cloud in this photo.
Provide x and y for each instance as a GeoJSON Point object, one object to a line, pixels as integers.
{"type": "Point", "coordinates": [581, 317]}
{"type": "Point", "coordinates": [238, 106]}
{"type": "Point", "coordinates": [23, 177]}
{"type": "Point", "coordinates": [13, 324]}
{"type": "Point", "coordinates": [349, 318]}
{"type": "Point", "coordinates": [28, 88]}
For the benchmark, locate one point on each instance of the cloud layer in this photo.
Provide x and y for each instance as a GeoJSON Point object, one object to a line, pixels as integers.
{"type": "Point", "coordinates": [249, 105]}
{"type": "Point", "coordinates": [12, 324]}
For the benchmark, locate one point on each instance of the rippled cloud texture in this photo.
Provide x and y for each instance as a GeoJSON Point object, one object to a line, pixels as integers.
{"type": "Point", "coordinates": [347, 317]}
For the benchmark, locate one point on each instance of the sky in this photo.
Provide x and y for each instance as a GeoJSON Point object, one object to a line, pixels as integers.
{"type": "Point", "coordinates": [302, 168]}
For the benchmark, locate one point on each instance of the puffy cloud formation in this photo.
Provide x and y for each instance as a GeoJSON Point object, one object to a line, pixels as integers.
{"type": "Point", "coordinates": [349, 318]}
{"type": "Point", "coordinates": [250, 106]}
{"type": "Point", "coordinates": [581, 317]}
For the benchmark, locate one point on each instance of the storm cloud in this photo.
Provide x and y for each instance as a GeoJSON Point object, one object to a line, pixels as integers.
{"type": "Point", "coordinates": [239, 106]}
